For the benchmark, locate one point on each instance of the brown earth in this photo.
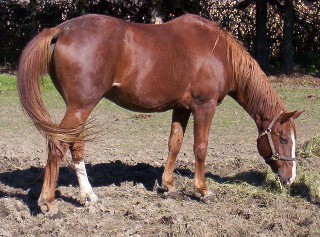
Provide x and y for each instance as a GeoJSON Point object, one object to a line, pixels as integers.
{"type": "Point", "coordinates": [125, 165]}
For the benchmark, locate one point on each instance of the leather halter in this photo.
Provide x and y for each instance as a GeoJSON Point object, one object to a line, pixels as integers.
{"type": "Point", "coordinates": [275, 155]}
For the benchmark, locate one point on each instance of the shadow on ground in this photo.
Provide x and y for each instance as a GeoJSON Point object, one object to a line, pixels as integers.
{"type": "Point", "coordinates": [116, 172]}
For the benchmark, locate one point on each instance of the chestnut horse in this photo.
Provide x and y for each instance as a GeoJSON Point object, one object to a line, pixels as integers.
{"type": "Point", "coordinates": [188, 65]}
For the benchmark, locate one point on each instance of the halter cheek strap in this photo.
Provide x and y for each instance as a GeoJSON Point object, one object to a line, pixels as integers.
{"type": "Point", "coordinates": [275, 155]}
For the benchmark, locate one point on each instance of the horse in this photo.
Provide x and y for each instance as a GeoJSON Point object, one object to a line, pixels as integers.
{"type": "Point", "coordinates": [187, 65]}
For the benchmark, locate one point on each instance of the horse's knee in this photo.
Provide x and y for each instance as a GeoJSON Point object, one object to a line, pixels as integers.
{"type": "Point", "coordinates": [174, 148]}
{"type": "Point", "coordinates": [200, 151]}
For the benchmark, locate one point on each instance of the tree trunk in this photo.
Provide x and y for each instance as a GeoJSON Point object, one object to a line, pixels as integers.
{"type": "Point", "coordinates": [288, 59]}
{"type": "Point", "coordinates": [261, 49]}
{"type": "Point", "coordinates": [83, 7]}
{"type": "Point", "coordinates": [33, 17]}
{"type": "Point", "coordinates": [156, 13]}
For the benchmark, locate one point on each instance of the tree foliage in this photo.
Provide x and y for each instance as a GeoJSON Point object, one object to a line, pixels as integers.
{"type": "Point", "coordinates": [20, 20]}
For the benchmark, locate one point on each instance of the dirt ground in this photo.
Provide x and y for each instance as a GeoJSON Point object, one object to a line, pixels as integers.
{"type": "Point", "coordinates": [125, 165]}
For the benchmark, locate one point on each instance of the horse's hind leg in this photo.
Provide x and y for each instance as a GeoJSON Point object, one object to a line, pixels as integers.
{"type": "Point", "coordinates": [55, 153]}
{"type": "Point", "coordinates": [180, 119]}
{"type": "Point", "coordinates": [57, 150]}
{"type": "Point", "coordinates": [86, 192]}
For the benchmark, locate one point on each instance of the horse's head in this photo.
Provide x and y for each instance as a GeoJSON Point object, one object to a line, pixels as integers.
{"type": "Point", "coordinates": [277, 146]}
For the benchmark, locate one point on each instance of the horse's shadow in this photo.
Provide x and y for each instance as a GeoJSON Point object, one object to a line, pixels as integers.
{"type": "Point", "coordinates": [104, 174]}
{"type": "Point", "coordinates": [28, 182]}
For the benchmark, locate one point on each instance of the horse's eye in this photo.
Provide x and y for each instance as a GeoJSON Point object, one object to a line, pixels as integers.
{"type": "Point", "coordinates": [283, 140]}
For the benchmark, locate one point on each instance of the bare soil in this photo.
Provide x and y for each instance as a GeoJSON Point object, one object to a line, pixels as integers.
{"type": "Point", "coordinates": [125, 165]}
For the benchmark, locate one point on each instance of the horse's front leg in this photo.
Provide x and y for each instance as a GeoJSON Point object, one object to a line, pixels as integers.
{"type": "Point", "coordinates": [56, 151]}
{"type": "Point", "coordinates": [86, 193]}
{"type": "Point", "coordinates": [180, 119]}
{"type": "Point", "coordinates": [202, 122]}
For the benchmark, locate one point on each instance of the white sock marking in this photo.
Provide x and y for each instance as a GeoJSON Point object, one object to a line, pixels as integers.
{"type": "Point", "coordinates": [293, 154]}
{"type": "Point", "coordinates": [85, 186]}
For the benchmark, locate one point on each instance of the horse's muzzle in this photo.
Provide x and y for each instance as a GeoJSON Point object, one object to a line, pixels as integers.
{"type": "Point", "coordinates": [287, 181]}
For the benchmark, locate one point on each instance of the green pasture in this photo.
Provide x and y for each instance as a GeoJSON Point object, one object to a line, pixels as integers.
{"type": "Point", "coordinates": [9, 96]}
{"type": "Point", "coordinates": [229, 115]}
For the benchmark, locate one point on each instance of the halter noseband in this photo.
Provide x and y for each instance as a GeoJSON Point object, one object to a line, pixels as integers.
{"type": "Point", "coordinates": [275, 155]}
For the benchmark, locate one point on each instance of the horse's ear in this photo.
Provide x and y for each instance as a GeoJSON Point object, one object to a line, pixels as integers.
{"type": "Point", "coordinates": [297, 114]}
{"type": "Point", "coordinates": [284, 117]}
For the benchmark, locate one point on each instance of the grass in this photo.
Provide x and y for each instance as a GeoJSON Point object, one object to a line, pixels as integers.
{"type": "Point", "coordinates": [307, 179]}
{"type": "Point", "coordinates": [7, 83]}
{"type": "Point", "coordinates": [310, 148]}
{"type": "Point", "coordinates": [8, 91]}
{"type": "Point", "coordinates": [307, 185]}
{"type": "Point", "coordinates": [9, 94]}
{"type": "Point", "coordinates": [301, 98]}
{"type": "Point", "coordinates": [9, 102]}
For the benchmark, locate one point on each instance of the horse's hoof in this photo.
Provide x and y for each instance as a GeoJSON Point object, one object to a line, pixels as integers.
{"type": "Point", "coordinates": [88, 198]}
{"type": "Point", "coordinates": [44, 208]}
{"type": "Point", "coordinates": [49, 209]}
{"type": "Point", "coordinates": [210, 197]}
{"type": "Point", "coordinates": [43, 205]}
{"type": "Point", "coordinates": [54, 213]}
{"type": "Point", "coordinates": [175, 195]}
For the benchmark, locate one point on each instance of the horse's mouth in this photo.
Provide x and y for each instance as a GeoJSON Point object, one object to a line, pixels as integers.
{"type": "Point", "coordinates": [286, 181]}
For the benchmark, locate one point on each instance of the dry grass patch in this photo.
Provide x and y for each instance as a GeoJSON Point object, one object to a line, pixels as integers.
{"type": "Point", "coordinates": [310, 148]}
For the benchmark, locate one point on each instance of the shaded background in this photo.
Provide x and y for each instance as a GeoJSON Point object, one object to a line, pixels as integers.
{"type": "Point", "coordinates": [280, 34]}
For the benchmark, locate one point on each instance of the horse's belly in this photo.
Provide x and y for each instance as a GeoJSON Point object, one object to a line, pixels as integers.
{"type": "Point", "coordinates": [142, 101]}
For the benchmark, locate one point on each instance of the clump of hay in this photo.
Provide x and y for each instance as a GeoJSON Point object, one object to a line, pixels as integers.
{"type": "Point", "coordinates": [273, 184]}
{"type": "Point", "coordinates": [310, 148]}
{"type": "Point", "coordinates": [308, 184]}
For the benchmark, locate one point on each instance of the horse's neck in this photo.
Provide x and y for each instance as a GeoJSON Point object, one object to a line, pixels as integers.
{"type": "Point", "coordinates": [259, 99]}
{"type": "Point", "coordinates": [250, 87]}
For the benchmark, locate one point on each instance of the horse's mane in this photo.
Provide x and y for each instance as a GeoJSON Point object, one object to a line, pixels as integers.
{"type": "Point", "coordinates": [251, 80]}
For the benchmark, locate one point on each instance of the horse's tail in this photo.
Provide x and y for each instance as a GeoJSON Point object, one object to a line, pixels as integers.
{"type": "Point", "coordinates": [34, 63]}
